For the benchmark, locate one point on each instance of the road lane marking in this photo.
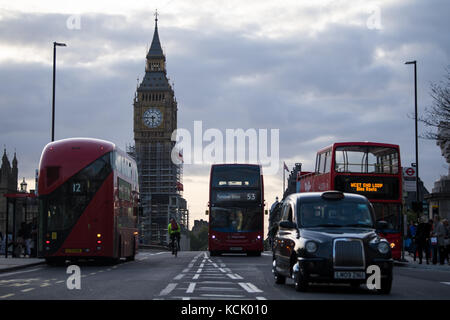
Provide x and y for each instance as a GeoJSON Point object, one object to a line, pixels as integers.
{"type": "Point", "coordinates": [170, 287]}
{"type": "Point", "coordinates": [249, 287]}
{"type": "Point", "coordinates": [18, 272]}
{"type": "Point", "coordinates": [7, 296]}
{"type": "Point", "coordinates": [196, 276]}
{"type": "Point", "coordinates": [447, 283]}
{"type": "Point", "coordinates": [218, 289]}
{"type": "Point", "coordinates": [260, 298]}
{"type": "Point", "coordinates": [27, 290]}
{"type": "Point", "coordinates": [234, 276]}
{"type": "Point", "coordinates": [179, 277]}
{"type": "Point", "coordinates": [191, 287]}
{"type": "Point", "coordinates": [222, 295]}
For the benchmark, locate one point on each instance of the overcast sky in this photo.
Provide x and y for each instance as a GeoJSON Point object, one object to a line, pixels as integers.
{"type": "Point", "coordinates": [319, 71]}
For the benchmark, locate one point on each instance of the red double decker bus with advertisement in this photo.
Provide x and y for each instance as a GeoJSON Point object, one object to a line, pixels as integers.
{"type": "Point", "coordinates": [88, 201]}
{"type": "Point", "coordinates": [366, 168]}
{"type": "Point", "coordinates": [236, 209]}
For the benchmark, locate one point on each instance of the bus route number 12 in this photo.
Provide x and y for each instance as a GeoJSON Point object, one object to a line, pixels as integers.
{"type": "Point", "coordinates": [76, 187]}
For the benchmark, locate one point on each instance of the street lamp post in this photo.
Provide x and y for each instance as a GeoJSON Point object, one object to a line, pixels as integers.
{"type": "Point", "coordinates": [55, 44]}
{"type": "Point", "coordinates": [417, 144]}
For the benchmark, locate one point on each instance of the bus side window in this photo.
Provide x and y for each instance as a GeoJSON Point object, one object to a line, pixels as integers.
{"type": "Point", "coordinates": [318, 163]}
{"type": "Point", "coordinates": [327, 161]}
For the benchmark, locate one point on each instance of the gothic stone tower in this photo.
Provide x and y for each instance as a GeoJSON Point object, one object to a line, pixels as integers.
{"type": "Point", "coordinates": [155, 118]}
{"type": "Point", "coordinates": [8, 184]}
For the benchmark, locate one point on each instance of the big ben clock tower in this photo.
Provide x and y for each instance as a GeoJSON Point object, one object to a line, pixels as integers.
{"type": "Point", "coordinates": [155, 118]}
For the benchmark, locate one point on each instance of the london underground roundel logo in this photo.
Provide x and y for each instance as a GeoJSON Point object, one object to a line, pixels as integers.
{"type": "Point", "coordinates": [410, 172]}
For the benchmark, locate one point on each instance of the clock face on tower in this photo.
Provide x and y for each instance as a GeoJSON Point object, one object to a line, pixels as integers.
{"type": "Point", "coordinates": [152, 118]}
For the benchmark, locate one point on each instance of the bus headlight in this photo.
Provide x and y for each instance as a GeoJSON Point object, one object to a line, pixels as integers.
{"type": "Point", "coordinates": [383, 247]}
{"type": "Point", "coordinates": [311, 247]}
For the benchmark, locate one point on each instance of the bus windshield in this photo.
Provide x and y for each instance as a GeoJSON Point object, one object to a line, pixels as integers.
{"type": "Point", "coordinates": [236, 176]}
{"type": "Point", "coordinates": [232, 219]}
{"type": "Point", "coordinates": [62, 208]}
{"type": "Point", "coordinates": [367, 159]}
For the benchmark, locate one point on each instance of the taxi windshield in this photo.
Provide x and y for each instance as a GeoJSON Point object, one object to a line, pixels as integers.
{"type": "Point", "coordinates": [341, 213]}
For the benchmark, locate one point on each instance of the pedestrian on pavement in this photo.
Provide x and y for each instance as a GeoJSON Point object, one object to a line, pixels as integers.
{"type": "Point", "coordinates": [422, 238]}
{"type": "Point", "coordinates": [34, 235]}
{"type": "Point", "coordinates": [446, 240]}
{"type": "Point", "coordinates": [27, 239]}
{"type": "Point", "coordinates": [432, 241]}
{"type": "Point", "coordinates": [439, 233]}
{"type": "Point", "coordinates": [411, 235]}
{"type": "Point", "coordinates": [2, 244]}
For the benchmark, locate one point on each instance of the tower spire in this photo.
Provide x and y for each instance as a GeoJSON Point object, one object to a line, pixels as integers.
{"type": "Point", "coordinates": [155, 48]}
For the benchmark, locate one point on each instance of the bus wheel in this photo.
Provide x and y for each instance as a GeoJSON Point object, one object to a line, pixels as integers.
{"type": "Point", "coordinates": [254, 254]}
{"type": "Point", "coordinates": [213, 253]}
{"type": "Point", "coordinates": [131, 258]}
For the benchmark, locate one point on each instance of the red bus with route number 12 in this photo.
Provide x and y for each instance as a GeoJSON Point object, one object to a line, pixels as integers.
{"type": "Point", "coordinates": [366, 168]}
{"type": "Point", "coordinates": [236, 209]}
{"type": "Point", "coordinates": [88, 201]}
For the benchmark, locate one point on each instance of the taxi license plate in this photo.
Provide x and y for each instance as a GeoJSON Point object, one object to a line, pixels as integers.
{"type": "Point", "coordinates": [73, 251]}
{"type": "Point", "coordinates": [349, 275]}
{"type": "Point", "coordinates": [236, 248]}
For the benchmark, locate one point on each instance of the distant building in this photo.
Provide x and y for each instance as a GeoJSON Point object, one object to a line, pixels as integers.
{"type": "Point", "coordinates": [199, 225]}
{"type": "Point", "coordinates": [410, 197]}
{"type": "Point", "coordinates": [8, 184]}
{"type": "Point", "coordinates": [292, 180]}
{"type": "Point", "coordinates": [26, 208]}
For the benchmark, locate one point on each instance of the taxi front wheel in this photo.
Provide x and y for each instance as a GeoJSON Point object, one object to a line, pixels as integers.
{"type": "Point", "coordinates": [279, 279]}
{"type": "Point", "coordinates": [300, 283]}
{"type": "Point", "coordinates": [386, 285]}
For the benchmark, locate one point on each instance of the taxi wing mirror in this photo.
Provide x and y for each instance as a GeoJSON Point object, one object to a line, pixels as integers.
{"type": "Point", "coordinates": [266, 212]}
{"type": "Point", "coordinates": [382, 225]}
{"type": "Point", "coordinates": [285, 224]}
{"type": "Point", "coordinates": [206, 212]}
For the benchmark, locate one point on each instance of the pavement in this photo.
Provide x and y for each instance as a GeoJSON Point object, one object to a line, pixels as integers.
{"type": "Point", "coordinates": [10, 264]}
{"type": "Point", "coordinates": [409, 262]}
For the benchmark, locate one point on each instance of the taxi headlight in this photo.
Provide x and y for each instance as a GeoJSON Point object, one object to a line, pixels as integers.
{"type": "Point", "coordinates": [383, 247]}
{"type": "Point", "coordinates": [311, 247]}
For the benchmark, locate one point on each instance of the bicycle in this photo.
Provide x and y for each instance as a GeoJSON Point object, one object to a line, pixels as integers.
{"type": "Point", "coordinates": [174, 246]}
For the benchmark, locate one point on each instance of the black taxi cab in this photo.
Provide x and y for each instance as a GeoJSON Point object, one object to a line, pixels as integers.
{"type": "Point", "coordinates": [331, 237]}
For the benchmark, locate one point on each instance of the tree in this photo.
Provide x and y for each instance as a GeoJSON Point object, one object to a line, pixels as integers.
{"type": "Point", "coordinates": [199, 241]}
{"type": "Point", "coordinates": [438, 115]}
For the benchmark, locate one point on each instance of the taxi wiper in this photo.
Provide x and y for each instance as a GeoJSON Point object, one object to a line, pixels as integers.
{"type": "Point", "coordinates": [359, 225]}
{"type": "Point", "coordinates": [329, 225]}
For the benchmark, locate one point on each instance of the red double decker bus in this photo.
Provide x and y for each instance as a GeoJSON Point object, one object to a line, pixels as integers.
{"type": "Point", "coordinates": [88, 201]}
{"type": "Point", "coordinates": [236, 209]}
{"type": "Point", "coordinates": [366, 168]}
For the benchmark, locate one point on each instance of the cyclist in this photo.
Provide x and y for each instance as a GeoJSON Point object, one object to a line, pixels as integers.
{"type": "Point", "coordinates": [174, 233]}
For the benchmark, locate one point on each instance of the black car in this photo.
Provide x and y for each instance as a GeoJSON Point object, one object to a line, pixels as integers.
{"type": "Point", "coordinates": [330, 237]}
